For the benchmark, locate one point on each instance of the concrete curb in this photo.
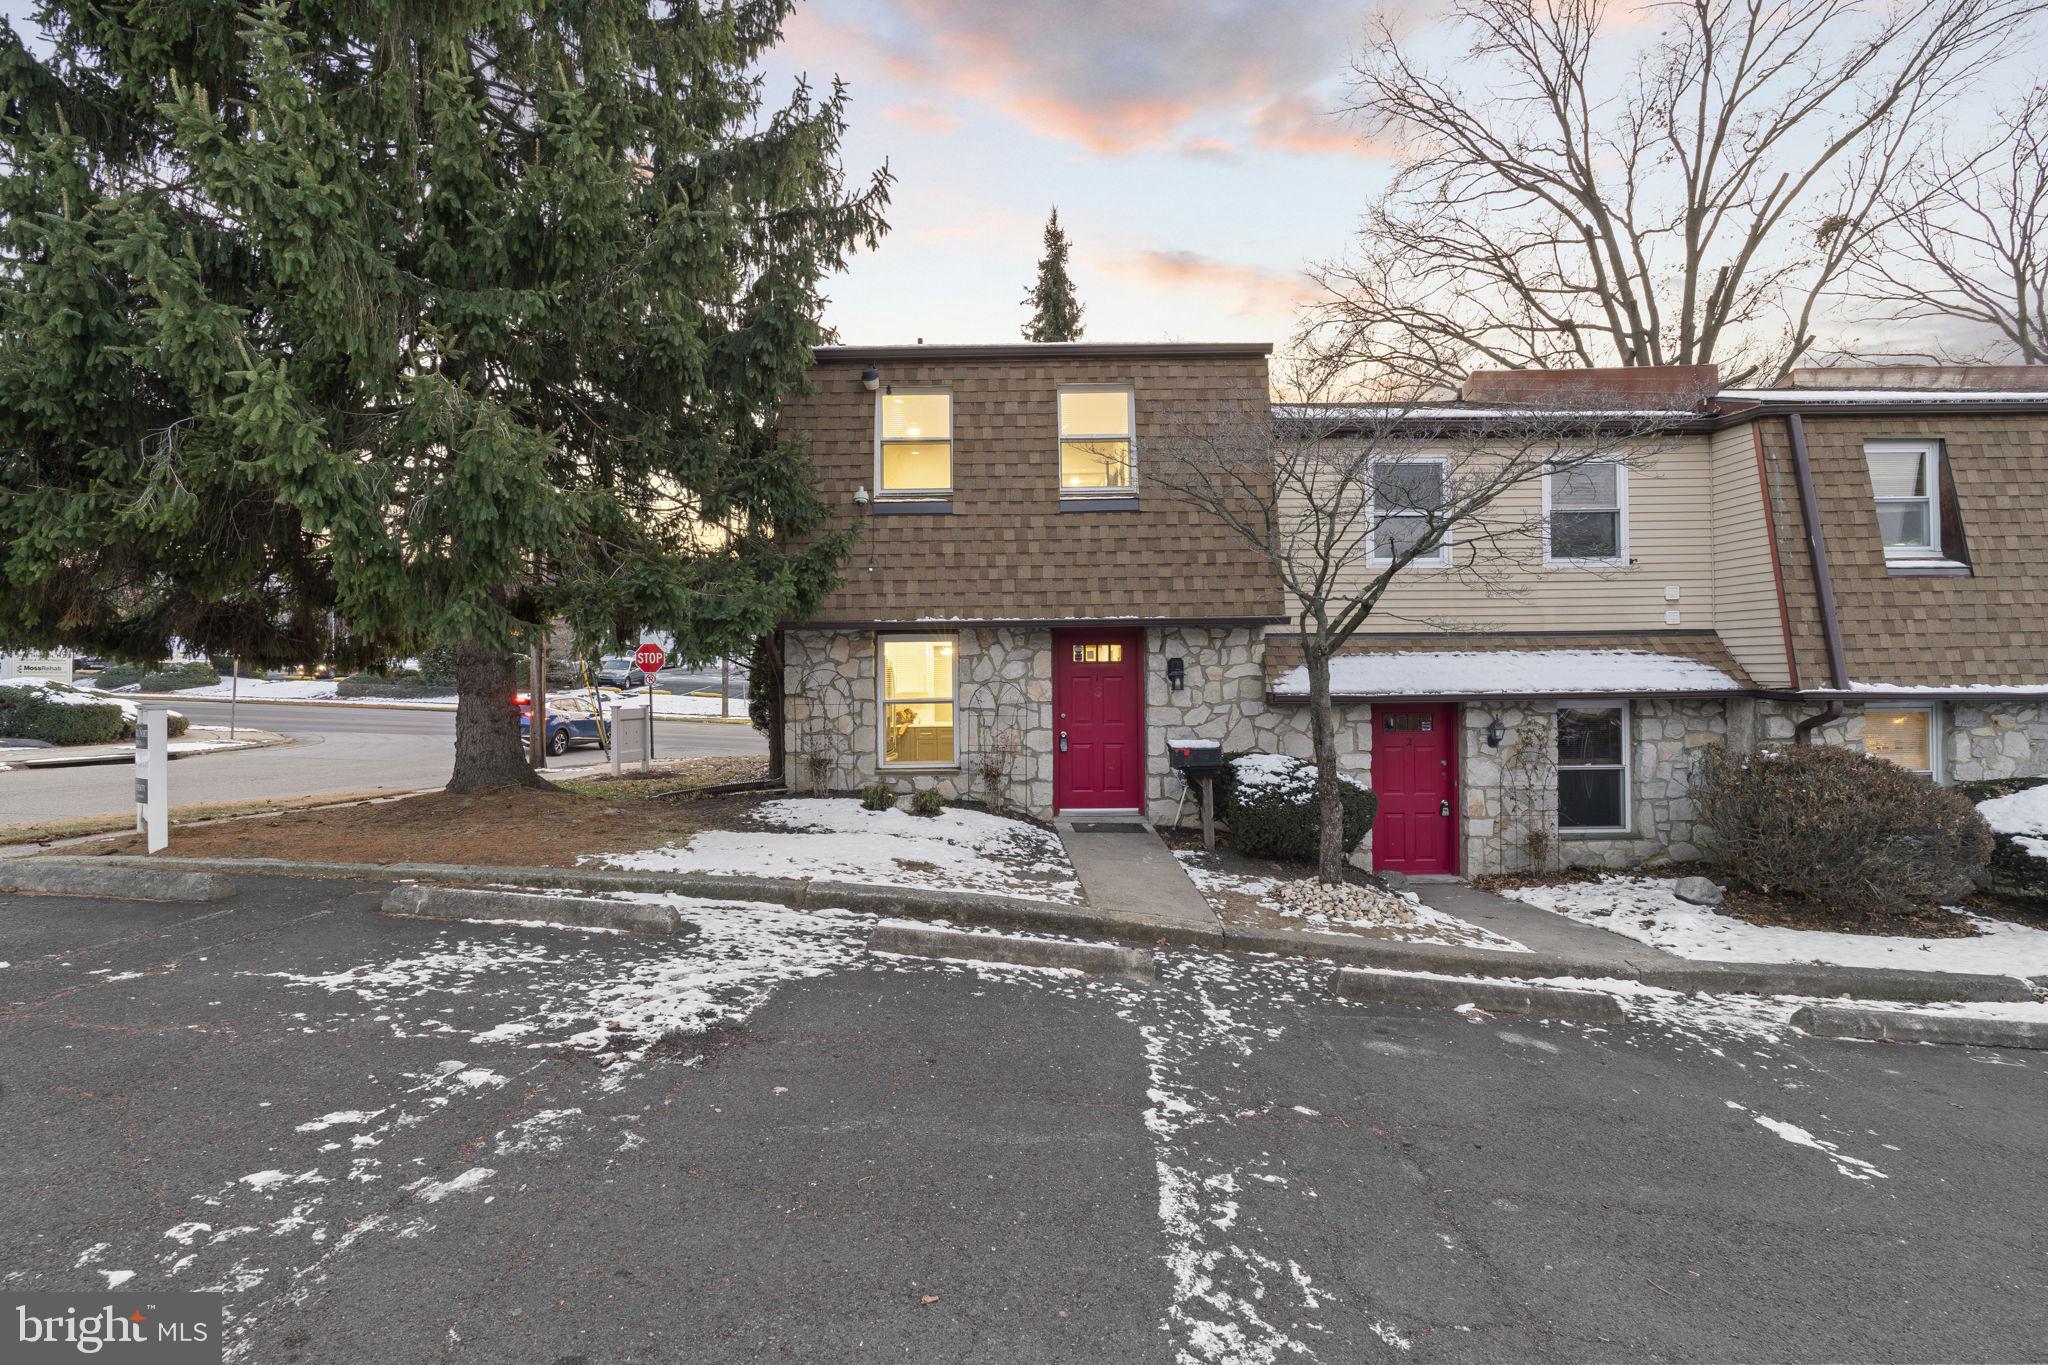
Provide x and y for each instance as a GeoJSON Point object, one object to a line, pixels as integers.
{"type": "Point", "coordinates": [1499, 997]}
{"type": "Point", "coordinates": [1014, 912]}
{"type": "Point", "coordinates": [446, 902]}
{"type": "Point", "coordinates": [381, 704]}
{"type": "Point", "coordinates": [128, 755]}
{"type": "Point", "coordinates": [1904, 1026]}
{"type": "Point", "coordinates": [48, 877]}
{"type": "Point", "coordinates": [1103, 959]}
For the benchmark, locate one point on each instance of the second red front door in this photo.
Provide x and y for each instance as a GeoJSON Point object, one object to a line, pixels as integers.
{"type": "Point", "coordinates": [1098, 679]}
{"type": "Point", "coordinates": [1415, 777]}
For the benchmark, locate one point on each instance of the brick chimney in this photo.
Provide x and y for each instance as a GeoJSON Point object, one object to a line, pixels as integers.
{"type": "Point", "coordinates": [1953, 378]}
{"type": "Point", "coordinates": [1687, 387]}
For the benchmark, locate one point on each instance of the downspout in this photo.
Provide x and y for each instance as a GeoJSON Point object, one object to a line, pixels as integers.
{"type": "Point", "coordinates": [1823, 583]}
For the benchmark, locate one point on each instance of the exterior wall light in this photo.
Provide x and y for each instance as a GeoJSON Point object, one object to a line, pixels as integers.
{"type": "Point", "coordinates": [1176, 673]}
{"type": "Point", "coordinates": [1495, 733]}
{"type": "Point", "coordinates": [871, 379]}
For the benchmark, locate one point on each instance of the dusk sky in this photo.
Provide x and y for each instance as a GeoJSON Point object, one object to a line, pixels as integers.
{"type": "Point", "coordinates": [1189, 145]}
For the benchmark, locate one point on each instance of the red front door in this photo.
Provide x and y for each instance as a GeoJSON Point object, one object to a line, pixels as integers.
{"type": "Point", "coordinates": [1098, 705]}
{"type": "Point", "coordinates": [1415, 777]}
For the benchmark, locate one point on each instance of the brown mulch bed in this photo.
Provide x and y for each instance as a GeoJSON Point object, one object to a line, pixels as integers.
{"type": "Point", "coordinates": [514, 828]}
{"type": "Point", "coordinates": [1783, 912]}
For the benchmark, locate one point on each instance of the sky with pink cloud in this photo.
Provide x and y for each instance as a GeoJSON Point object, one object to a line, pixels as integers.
{"type": "Point", "coordinates": [1192, 147]}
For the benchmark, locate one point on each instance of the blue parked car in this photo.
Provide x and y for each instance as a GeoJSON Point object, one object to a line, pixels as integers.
{"type": "Point", "coordinates": [571, 720]}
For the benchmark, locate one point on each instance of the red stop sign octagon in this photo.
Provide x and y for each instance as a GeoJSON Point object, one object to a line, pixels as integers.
{"type": "Point", "coordinates": [649, 658]}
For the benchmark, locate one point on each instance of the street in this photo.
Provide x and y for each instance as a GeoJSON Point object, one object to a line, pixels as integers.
{"type": "Point", "coordinates": [334, 749]}
{"type": "Point", "coordinates": [388, 1139]}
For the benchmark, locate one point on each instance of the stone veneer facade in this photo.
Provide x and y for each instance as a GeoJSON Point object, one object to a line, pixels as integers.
{"type": "Point", "coordinates": [1509, 795]}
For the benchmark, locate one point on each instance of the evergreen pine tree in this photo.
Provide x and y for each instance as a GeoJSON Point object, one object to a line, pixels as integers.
{"type": "Point", "coordinates": [443, 321]}
{"type": "Point", "coordinates": [1055, 312]}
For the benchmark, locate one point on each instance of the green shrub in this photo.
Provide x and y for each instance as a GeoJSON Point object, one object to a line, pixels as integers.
{"type": "Point", "coordinates": [1272, 808]}
{"type": "Point", "coordinates": [2013, 867]}
{"type": "Point", "coordinates": [1830, 826]}
{"type": "Point", "coordinates": [174, 726]}
{"type": "Point", "coordinates": [397, 686]}
{"type": "Point", "coordinates": [28, 713]}
{"type": "Point", "coordinates": [877, 796]}
{"type": "Point", "coordinates": [437, 666]}
{"type": "Point", "coordinates": [926, 803]}
{"type": "Point", "coordinates": [158, 677]}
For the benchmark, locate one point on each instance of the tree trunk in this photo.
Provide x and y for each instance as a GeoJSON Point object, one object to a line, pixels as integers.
{"type": "Point", "coordinates": [764, 681]}
{"type": "Point", "coordinates": [488, 755]}
{"type": "Point", "coordinates": [1329, 804]}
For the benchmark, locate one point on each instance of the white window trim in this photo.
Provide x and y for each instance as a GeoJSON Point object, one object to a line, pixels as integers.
{"type": "Point", "coordinates": [1130, 434]}
{"type": "Point", "coordinates": [1372, 517]}
{"type": "Point", "coordinates": [1930, 456]}
{"type": "Point", "coordinates": [883, 699]}
{"type": "Point", "coordinates": [1620, 556]}
{"type": "Point", "coordinates": [1628, 768]}
{"type": "Point", "coordinates": [907, 390]}
{"type": "Point", "coordinates": [1937, 734]}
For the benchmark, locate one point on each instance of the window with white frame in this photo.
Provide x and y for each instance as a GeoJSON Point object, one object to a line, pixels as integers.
{"type": "Point", "coordinates": [1098, 423]}
{"type": "Point", "coordinates": [1592, 767]}
{"type": "Point", "coordinates": [1586, 514]}
{"type": "Point", "coordinates": [913, 442]}
{"type": "Point", "coordinates": [1909, 736]}
{"type": "Point", "coordinates": [1406, 495]}
{"type": "Point", "coordinates": [917, 701]}
{"type": "Point", "coordinates": [1905, 478]}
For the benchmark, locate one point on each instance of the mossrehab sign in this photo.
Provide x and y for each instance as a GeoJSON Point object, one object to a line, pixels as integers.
{"type": "Point", "coordinates": [55, 667]}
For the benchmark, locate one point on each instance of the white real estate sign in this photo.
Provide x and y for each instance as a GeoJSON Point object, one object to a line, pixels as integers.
{"type": "Point", "coordinates": [152, 785]}
{"type": "Point", "coordinates": [55, 667]}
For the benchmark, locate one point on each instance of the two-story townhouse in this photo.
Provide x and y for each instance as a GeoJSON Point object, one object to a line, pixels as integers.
{"type": "Point", "coordinates": [1027, 621]}
{"type": "Point", "coordinates": [1025, 617]}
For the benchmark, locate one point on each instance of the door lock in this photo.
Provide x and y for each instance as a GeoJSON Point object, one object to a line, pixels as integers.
{"type": "Point", "coordinates": [1063, 746]}
{"type": "Point", "coordinates": [1444, 809]}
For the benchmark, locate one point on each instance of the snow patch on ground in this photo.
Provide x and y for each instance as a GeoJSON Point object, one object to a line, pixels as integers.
{"type": "Point", "coordinates": [836, 839]}
{"type": "Point", "coordinates": [1856, 1168]}
{"type": "Point", "coordinates": [1644, 908]}
{"type": "Point", "coordinates": [1419, 923]}
{"type": "Point", "coordinates": [430, 1191]}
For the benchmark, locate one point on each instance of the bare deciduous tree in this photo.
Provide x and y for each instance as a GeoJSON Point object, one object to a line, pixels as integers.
{"type": "Point", "coordinates": [1551, 210]}
{"type": "Point", "coordinates": [1341, 496]}
{"type": "Point", "coordinates": [1972, 251]}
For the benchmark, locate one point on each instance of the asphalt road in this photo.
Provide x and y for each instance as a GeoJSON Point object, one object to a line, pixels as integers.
{"type": "Point", "coordinates": [334, 749]}
{"type": "Point", "coordinates": [397, 1140]}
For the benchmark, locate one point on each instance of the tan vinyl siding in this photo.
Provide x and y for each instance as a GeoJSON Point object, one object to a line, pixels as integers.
{"type": "Point", "coordinates": [1670, 544]}
{"type": "Point", "coordinates": [1746, 602]}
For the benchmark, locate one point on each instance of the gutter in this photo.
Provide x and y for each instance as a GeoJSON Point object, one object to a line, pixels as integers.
{"type": "Point", "coordinates": [1823, 582]}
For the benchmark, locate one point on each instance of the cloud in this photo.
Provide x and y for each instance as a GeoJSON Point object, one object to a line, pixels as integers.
{"type": "Point", "coordinates": [926, 116]}
{"type": "Point", "coordinates": [1311, 126]}
{"type": "Point", "coordinates": [1250, 290]}
{"type": "Point", "coordinates": [1215, 148]}
{"type": "Point", "coordinates": [1113, 76]}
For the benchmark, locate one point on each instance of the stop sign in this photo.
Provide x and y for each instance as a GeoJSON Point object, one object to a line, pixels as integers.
{"type": "Point", "coordinates": [649, 658]}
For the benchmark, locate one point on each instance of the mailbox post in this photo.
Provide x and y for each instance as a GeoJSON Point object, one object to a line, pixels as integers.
{"type": "Point", "coordinates": [1199, 760]}
{"type": "Point", "coordinates": [152, 789]}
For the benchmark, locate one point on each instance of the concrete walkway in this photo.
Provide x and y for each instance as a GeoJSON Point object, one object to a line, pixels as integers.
{"type": "Point", "coordinates": [1127, 871]}
{"type": "Point", "coordinates": [1540, 929]}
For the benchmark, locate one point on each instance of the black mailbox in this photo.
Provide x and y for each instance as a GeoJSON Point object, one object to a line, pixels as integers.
{"type": "Point", "coordinates": [1197, 757]}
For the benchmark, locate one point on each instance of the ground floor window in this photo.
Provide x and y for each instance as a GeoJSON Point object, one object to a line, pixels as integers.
{"type": "Point", "coordinates": [1906, 735]}
{"type": "Point", "coordinates": [917, 700]}
{"type": "Point", "coordinates": [1592, 766]}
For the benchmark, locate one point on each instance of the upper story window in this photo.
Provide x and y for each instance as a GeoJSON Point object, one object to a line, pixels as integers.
{"type": "Point", "coordinates": [1098, 423]}
{"type": "Point", "coordinates": [1586, 514]}
{"type": "Point", "coordinates": [913, 442]}
{"type": "Point", "coordinates": [1404, 494]}
{"type": "Point", "coordinates": [1905, 476]}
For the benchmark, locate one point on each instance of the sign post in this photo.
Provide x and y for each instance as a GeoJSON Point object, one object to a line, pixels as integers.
{"type": "Point", "coordinates": [648, 659]}
{"type": "Point", "coordinates": [152, 782]}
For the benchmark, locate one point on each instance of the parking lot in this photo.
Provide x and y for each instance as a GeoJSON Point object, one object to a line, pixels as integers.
{"type": "Point", "coordinates": [387, 1139]}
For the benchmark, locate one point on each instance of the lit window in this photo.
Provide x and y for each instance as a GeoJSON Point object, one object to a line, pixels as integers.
{"type": "Point", "coordinates": [917, 700]}
{"type": "Point", "coordinates": [1592, 767]}
{"type": "Point", "coordinates": [1904, 476]}
{"type": "Point", "coordinates": [914, 438]}
{"type": "Point", "coordinates": [1405, 495]}
{"type": "Point", "coordinates": [1904, 735]}
{"type": "Point", "coordinates": [1096, 428]}
{"type": "Point", "coordinates": [1098, 654]}
{"type": "Point", "coordinates": [1585, 514]}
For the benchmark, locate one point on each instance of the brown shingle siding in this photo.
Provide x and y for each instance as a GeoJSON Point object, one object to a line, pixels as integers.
{"type": "Point", "coordinates": [1986, 628]}
{"type": "Point", "coordinates": [1007, 550]}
